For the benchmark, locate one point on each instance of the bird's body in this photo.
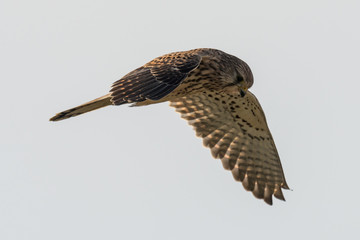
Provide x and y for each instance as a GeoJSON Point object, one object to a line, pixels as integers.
{"type": "Point", "coordinates": [209, 88]}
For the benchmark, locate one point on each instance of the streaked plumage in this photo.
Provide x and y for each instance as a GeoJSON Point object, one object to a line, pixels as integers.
{"type": "Point", "coordinates": [209, 89]}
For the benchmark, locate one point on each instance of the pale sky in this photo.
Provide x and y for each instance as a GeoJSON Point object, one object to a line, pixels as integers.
{"type": "Point", "coordinates": [140, 173]}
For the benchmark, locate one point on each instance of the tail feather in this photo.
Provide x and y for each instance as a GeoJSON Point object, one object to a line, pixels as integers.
{"type": "Point", "coordinates": [84, 108]}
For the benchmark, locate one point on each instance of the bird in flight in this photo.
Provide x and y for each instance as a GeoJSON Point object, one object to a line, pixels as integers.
{"type": "Point", "coordinates": [209, 88]}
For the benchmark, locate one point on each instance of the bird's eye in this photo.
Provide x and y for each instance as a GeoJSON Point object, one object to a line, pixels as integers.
{"type": "Point", "coordinates": [239, 79]}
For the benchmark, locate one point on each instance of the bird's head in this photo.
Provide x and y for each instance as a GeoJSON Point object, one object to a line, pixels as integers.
{"type": "Point", "coordinates": [243, 78]}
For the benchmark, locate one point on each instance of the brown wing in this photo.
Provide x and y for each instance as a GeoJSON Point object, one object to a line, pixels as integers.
{"type": "Point", "coordinates": [236, 131]}
{"type": "Point", "coordinates": [155, 79]}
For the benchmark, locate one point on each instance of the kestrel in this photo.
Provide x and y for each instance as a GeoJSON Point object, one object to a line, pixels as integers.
{"type": "Point", "coordinates": [209, 88]}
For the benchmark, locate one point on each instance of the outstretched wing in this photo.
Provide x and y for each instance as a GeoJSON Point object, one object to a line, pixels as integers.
{"type": "Point", "coordinates": [236, 131]}
{"type": "Point", "coordinates": [155, 79]}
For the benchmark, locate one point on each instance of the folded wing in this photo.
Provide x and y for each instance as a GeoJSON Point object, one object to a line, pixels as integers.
{"type": "Point", "coordinates": [155, 79]}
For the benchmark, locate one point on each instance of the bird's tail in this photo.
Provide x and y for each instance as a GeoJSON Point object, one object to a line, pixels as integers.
{"type": "Point", "coordinates": [84, 108]}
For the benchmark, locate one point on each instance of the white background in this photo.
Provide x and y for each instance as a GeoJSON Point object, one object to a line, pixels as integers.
{"type": "Point", "coordinates": [140, 173]}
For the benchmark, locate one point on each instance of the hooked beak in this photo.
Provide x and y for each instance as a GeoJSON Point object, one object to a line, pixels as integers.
{"type": "Point", "coordinates": [243, 92]}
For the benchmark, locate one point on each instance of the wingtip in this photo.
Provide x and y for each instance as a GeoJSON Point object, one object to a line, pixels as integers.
{"type": "Point", "coordinates": [268, 201]}
{"type": "Point", "coordinates": [278, 192]}
{"type": "Point", "coordinates": [285, 186]}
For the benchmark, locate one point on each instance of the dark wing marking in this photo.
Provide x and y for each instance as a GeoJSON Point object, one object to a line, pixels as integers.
{"type": "Point", "coordinates": [155, 79]}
